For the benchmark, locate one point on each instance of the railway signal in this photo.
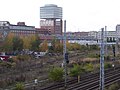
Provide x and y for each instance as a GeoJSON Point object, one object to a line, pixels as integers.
{"type": "Point", "coordinates": [66, 58]}
{"type": "Point", "coordinates": [114, 51]}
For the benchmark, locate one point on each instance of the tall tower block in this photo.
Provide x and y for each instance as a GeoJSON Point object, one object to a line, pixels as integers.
{"type": "Point", "coordinates": [51, 18]}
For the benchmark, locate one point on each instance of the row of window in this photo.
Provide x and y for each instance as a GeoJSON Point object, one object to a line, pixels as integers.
{"type": "Point", "coordinates": [20, 31]}
{"type": "Point", "coordinates": [4, 27]}
{"type": "Point", "coordinates": [22, 27]}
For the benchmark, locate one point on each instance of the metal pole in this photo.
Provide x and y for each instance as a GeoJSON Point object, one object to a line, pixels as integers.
{"type": "Point", "coordinates": [106, 41]}
{"type": "Point", "coordinates": [116, 45]}
{"type": "Point", "coordinates": [65, 53]}
{"type": "Point", "coordinates": [102, 61]}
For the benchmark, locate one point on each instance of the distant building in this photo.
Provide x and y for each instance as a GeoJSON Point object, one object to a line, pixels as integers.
{"type": "Point", "coordinates": [77, 35]}
{"type": "Point", "coordinates": [93, 34]}
{"type": "Point", "coordinates": [81, 34]}
{"type": "Point", "coordinates": [51, 18]}
{"type": "Point", "coordinates": [50, 11]}
{"type": "Point", "coordinates": [110, 36]}
{"type": "Point", "coordinates": [42, 31]}
{"type": "Point", "coordinates": [23, 30]}
{"type": "Point", "coordinates": [118, 32]}
{"type": "Point", "coordinates": [18, 30]}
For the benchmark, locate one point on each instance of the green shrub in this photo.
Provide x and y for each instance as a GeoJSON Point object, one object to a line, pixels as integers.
{"type": "Point", "coordinates": [56, 74]}
{"type": "Point", "coordinates": [114, 87]}
{"type": "Point", "coordinates": [83, 48]}
{"type": "Point", "coordinates": [107, 57]}
{"type": "Point", "coordinates": [107, 65]}
{"type": "Point", "coordinates": [6, 64]}
{"type": "Point", "coordinates": [89, 67]}
{"type": "Point", "coordinates": [91, 55]}
{"type": "Point", "coordinates": [76, 70]}
{"type": "Point", "coordinates": [19, 86]}
{"type": "Point", "coordinates": [11, 60]}
{"type": "Point", "coordinates": [94, 47]}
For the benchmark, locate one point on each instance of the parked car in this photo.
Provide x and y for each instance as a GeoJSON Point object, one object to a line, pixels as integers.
{"type": "Point", "coordinates": [4, 58]}
{"type": "Point", "coordinates": [39, 54]}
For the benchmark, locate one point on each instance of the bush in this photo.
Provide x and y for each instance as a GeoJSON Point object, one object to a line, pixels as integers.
{"type": "Point", "coordinates": [93, 55]}
{"type": "Point", "coordinates": [19, 86]}
{"type": "Point", "coordinates": [76, 70]}
{"type": "Point", "coordinates": [56, 74]}
{"type": "Point", "coordinates": [83, 48]}
{"type": "Point", "coordinates": [89, 67]}
{"type": "Point", "coordinates": [107, 65]}
{"type": "Point", "coordinates": [11, 60]}
{"type": "Point", "coordinates": [107, 57]}
{"type": "Point", "coordinates": [93, 47]}
{"type": "Point", "coordinates": [6, 64]}
{"type": "Point", "coordinates": [23, 57]}
{"type": "Point", "coordinates": [114, 87]}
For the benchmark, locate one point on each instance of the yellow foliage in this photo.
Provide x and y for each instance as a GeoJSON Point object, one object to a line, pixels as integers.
{"type": "Point", "coordinates": [28, 40]}
{"type": "Point", "coordinates": [44, 46]}
{"type": "Point", "coordinates": [9, 38]}
{"type": "Point", "coordinates": [68, 45]}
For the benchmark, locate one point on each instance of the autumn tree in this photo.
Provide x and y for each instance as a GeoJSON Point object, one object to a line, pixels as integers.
{"type": "Point", "coordinates": [72, 46]}
{"type": "Point", "coordinates": [35, 42]}
{"type": "Point", "coordinates": [56, 46]}
{"type": "Point", "coordinates": [76, 46]}
{"type": "Point", "coordinates": [44, 46]}
{"type": "Point", "coordinates": [31, 42]}
{"type": "Point", "coordinates": [8, 43]}
{"type": "Point", "coordinates": [17, 44]}
{"type": "Point", "coordinates": [26, 42]}
{"type": "Point", "coordinates": [51, 48]}
{"type": "Point", "coordinates": [68, 45]}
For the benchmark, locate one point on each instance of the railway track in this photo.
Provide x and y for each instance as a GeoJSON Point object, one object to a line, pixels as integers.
{"type": "Point", "coordinates": [94, 78]}
{"type": "Point", "coordinates": [94, 84]}
{"type": "Point", "coordinates": [88, 82]}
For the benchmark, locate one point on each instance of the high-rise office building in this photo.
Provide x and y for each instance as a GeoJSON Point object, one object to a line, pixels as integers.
{"type": "Point", "coordinates": [51, 18]}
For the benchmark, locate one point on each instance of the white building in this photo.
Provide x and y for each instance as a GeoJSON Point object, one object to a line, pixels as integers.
{"type": "Point", "coordinates": [84, 42]}
{"type": "Point", "coordinates": [108, 36]}
{"type": "Point", "coordinates": [93, 34]}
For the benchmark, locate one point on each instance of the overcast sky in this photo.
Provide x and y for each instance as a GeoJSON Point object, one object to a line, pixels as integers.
{"type": "Point", "coordinates": [81, 15]}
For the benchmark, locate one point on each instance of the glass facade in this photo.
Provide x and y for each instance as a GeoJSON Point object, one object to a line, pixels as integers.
{"type": "Point", "coordinates": [50, 11]}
